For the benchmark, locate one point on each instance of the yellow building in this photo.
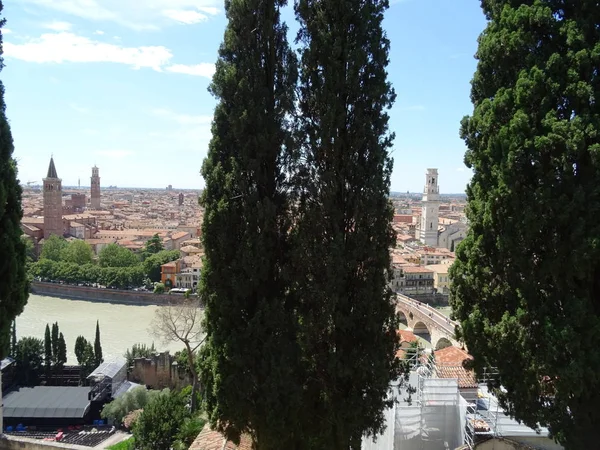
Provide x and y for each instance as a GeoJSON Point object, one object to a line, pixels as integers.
{"type": "Point", "coordinates": [441, 281]}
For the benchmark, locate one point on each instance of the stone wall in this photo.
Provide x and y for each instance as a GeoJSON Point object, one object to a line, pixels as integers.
{"type": "Point", "coordinates": [159, 371]}
{"type": "Point", "coordinates": [98, 295]}
{"type": "Point", "coordinates": [431, 299]}
{"type": "Point", "coordinates": [14, 443]}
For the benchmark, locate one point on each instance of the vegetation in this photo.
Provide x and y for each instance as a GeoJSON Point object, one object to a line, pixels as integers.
{"type": "Point", "coordinates": [153, 262]}
{"type": "Point", "coordinates": [113, 255]}
{"type": "Point", "coordinates": [98, 359]}
{"type": "Point", "coordinates": [54, 248]}
{"type": "Point", "coordinates": [153, 246]}
{"type": "Point", "coordinates": [14, 284]}
{"type": "Point", "coordinates": [158, 425]}
{"type": "Point", "coordinates": [343, 232]}
{"type": "Point", "coordinates": [526, 283]}
{"type": "Point", "coordinates": [135, 399]}
{"type": "Point", "coordinates": [29, 360]}
{"type": "Point", "coordinates": [84, 352]}
{"type": "Point", "coordinates": [245, 231]}
{"type": "Point", "coordinates": [159, 288]}
{"type": "Point", "coordinates": [127, 444]}
{"type": "Point", "coordinates": [78, 252]}
{"type": "Point", "coordinates": [139, 351]}
{"type": "Point", "coordinates": [181, 322]}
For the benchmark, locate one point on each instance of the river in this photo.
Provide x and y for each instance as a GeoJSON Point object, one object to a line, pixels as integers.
{"type": "Point", "coordinates": [121, 326]}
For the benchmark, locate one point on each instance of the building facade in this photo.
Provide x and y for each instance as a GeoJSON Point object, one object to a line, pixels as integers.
{"type": "Point", "coordinates": [428, 229]}
{"type": "Point", "coordinates": [53, 208]}
{"type": "Point", "coordinates": [95, 189]}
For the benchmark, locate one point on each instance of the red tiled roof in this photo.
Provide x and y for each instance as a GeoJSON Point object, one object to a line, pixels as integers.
{"type": "Point", "coordinates": [407, 336]}
{"type": "Point", "coordinates": [213, 440]}
{"type": "Point", "coordinates": [449, 364]}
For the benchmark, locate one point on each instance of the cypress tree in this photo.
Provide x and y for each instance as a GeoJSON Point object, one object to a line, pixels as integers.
{"type": "Point", "coordinates": [54, 343]}
{"type": "Point", "coordinates": [48, 352]}
{"type": "Point", "coordinates": [97, 346]}
{"type": "Point", "coordinates": [61, 357]}
{"type": "Point", "coordinates": [248, 358]}
{"type": "Point", "coordinates": [14, 286]}
{"type": "Point", "coordinates": [343, 233]}
{"type": "Point", "coordinates": [526, 282]}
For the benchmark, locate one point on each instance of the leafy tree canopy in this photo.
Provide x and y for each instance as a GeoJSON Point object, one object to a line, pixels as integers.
{"type": "Point", "coordinates": [78, 252]}
{"type": "Point", "coordinates": [30, 361]}
{"type": "Point", "coordinates": [114, 255]}
{"type": "Point", "coordinates": [53, 248]}
{"type": "Point", "coordinates": [526, 282]}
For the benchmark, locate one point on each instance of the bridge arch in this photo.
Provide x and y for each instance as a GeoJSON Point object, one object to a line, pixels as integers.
{"type": "Point", "coordinates": [442, 342]}
{"type": "Point", "coordinates": [421, 330]}
{"type": "Point", "coordinates": [403, 318]}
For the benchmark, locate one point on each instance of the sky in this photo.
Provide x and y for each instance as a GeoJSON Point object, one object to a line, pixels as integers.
{"type": "Point", "coordinates": [122, 84]}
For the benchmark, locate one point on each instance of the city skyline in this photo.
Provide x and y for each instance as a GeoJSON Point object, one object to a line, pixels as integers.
{"type": "Point", "coordinates": [124, 86]}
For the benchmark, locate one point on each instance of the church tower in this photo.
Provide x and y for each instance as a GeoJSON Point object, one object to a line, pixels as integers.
{"type": "Point", "coordinates": [95, 186]}
{"type": "Point", "coordinates": [53, 208]}
{"type": "Point", "coordinates": [428, 231]}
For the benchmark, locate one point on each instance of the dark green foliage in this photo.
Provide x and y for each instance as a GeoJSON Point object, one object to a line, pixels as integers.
{"type": "Point", "coordinates": [47, 352]}
{"type": "Point", "coordinates": [30, 253]}
{"type": "Point", "coordinates": [54, 248]}
{"type": "Point", "coordinates": [132, 400]}
{"type": "Point", "coordinates": [249, 320]}
{"type": "Point", "coordinates": [97, 346]}
{"type": "Point", "coordinates": [13, 340]}
{"type": "Point", "coordinates": [189, 431]}
{"type": "Point", "coordinates": [343, 233]}
{"type": "Point", "coordinates": [526, 283]}
{"type": "Point", "coordinates": [159, 423]}
{"type": "Point", "coordinates": [29, 359]}
{"type": "Point", "coordinates": [54, 342]}
{"type": "Point", "coordinates": [86, 357]}
{"type": "Point", "coordinates": [80, 346]}
{"type": "Point", "coordinates": [14, 285]}
{"type": "Point", "coordinates": [153, 262]}
{"type": "Point", "coordinates": [153, 246]}
{"type": "Point", "coordinates": [77, 252]}
{"type": "Point", "coordinates": [139, 351]}
{"type": "Point", "coordinates": [61, 356]}
{"type": "Point", "coordinates": [159, 288]}
{"type": "Point", "coordinates": [114, 255]}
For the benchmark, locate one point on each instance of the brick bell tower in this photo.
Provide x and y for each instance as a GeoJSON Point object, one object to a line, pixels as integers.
{"type": "Point", "coordinates": [53, 208]}
{"type": "Point", "coordinates": [95, 188]}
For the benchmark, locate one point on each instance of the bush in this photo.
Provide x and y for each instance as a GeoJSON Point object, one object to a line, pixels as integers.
{"type": "Point", "coordinates": [137, 398]}
{"type": "Point", "coordinates": [158, 425]}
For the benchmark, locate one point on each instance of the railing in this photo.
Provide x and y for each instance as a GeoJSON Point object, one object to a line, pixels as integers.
{"type": "Point", "coordinates": [437, 317]}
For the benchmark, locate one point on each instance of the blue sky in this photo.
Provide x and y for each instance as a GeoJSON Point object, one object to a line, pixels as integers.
{"type": "Point", "coordinates": [123, 84]}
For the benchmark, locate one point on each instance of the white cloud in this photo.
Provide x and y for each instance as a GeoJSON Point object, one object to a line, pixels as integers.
{"type": "Point", "coordinates": [114, 154]}
{"type": "Point", "coordinates": [135, 14]}
{"type": "Point", "coordinates": [58, 25]}
{"type": "Point", "coordinates": [206, 70]}
{"type": "Point", "coordinates": [184, 119]}
{"type": "Point", "coordinates": [68, 47]}
{"type": "Point", "coordinates": [6, 31]}
{"type": "Point", "coordinates": [187, 17]}
{"type": "Point", "coordinates": [99, 32]}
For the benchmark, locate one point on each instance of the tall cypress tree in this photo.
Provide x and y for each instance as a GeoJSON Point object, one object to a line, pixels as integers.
{"type": "Point", "coordinates": [97, 346]}
{"type": "Point", "coordinates": [343, 234]}
{"type": "Point", "coordinates": [248, 358]}
{"type": "Point", "coordinates": [48, 352]}
{"type": "Point", "coordinates": [54, 342]}
{"type": "Point", "coordinates": [14, 287]}
{"type": "Point", "coordinates": [526, 283]}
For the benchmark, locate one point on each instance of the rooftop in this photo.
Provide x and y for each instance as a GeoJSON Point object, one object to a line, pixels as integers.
{"type": "Point", "coordinates": [213, 440]}
{"type": "Point", "coordinates": [47, 402]}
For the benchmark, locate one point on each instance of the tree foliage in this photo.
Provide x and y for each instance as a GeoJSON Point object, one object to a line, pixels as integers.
{"type": "Point", "coordinates": [153, 263]}
{"type": "Point", "coordinates": [14, 285]}
{"type": "Point", "coordinates": [47, 352]}
{"type": "Point", "coordinates": [158, 425]}
{"type": "Point", "coordinates": [132, 400]}
{"type": "Point", "coordinates": [526, 282]}
{"type": "Point", "coordinates": [114, 255]}
{"type": "Point", "coordinates": [98, 359]}
{"type": "Point", "coordinates": [30, 360]}
{"type": "Point", "coordinates": [343, 232]}
{"type": "Point", "coordinates": [153, 246]}
{"type": "Point", "coordinates": [245, 231]}
{"type": "Point", "coordinates": [54, 248]}
{"type": "Point", "coordinates": [77, 252]}
{"type": "Point", "coordinates": [139, 351]}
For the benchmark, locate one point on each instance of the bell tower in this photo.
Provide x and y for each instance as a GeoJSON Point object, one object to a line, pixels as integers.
{"type": "Point", "coordinates": [95, 188]}
{"type": "Point", "coordinates": [428, 230]}
{"type": "Point", "coordinates": [53, 208]}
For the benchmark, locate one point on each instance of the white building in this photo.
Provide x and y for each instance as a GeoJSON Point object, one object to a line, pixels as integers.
{"type": "Point", "coordinates": [428, 228]}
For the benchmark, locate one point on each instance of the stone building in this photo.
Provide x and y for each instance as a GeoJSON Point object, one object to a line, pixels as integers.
{"type": "Point", "coordinates": [53, 208]}
{"type": "Point", "coordinates": [95, 189]}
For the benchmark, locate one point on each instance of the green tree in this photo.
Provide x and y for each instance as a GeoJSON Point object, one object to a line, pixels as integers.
{"type": "Point", "coordinates": [54, 343]}
{"type": "Point", "coordinates": [153, 263]}
{"type": "Point", "coordinates": [159, 288]}
{"type": "Point", "coordinates": [132, 400]}
{"type": "Point", "coordinates": [153, 245]}
{"type": "Point", "coordinates": [48, 352]}
{"type": "Point", "coordinates": [139, 351]}
{"type": "Point", "coordinates": [343, 234]}
{"type": "Point", "coordinates": [78, 252]}
{"type": "Point", "coordinates": [30, 253]}
{"type": "Point", "coordinates": [53, 248]}
{"type": "Point", "coordinates": [80, 346]}
{"type": "Point", "coordinates": [97, 346]}
{"type": "Point", "coordinates": [526, 282]}
{"type": "Point", "coordinates": [61, 356]}
{"type": "Point", "coordinates": [158, 425]}
{"type": "Point", "coordinates": [29, 359]}
{"type": "Point", "coordinates": [114, 255]}
{"type": "Point", "coordinates": [250, 322]}
{"type": "Point", "coordinates": [88, 361]}
{"type": "Point", "coordinates": [14, 284]}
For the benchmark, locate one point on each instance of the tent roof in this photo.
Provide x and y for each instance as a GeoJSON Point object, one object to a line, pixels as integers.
{"type": "Point", "coordinates": [47, 402]}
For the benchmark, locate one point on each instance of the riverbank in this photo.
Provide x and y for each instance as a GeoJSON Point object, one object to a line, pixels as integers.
{"type": "Point", "coordinates": [92, 294]}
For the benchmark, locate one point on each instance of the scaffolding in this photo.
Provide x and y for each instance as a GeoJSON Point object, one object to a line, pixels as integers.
{"type": "Point", "coordinates": [482, 415]}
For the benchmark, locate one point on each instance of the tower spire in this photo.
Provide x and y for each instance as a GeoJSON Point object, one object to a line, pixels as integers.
{"type": "Point", "coordinates": [52, 169]}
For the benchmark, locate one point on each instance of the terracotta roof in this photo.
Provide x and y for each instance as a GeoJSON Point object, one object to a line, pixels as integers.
{"type": "Point", "coordinates": [179, 235]}
{"type": "Point", "coordinates": [407, 336]}
{"type": "Point", "coordinates": [449, 364]}
{"type": "Point", "coordinates": [213, 440]}
{"type": "Point", "coordinates": [416, 269]}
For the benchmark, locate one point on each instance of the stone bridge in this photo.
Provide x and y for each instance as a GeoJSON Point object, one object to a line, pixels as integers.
{"type": "Point", "coordinates": [426, 322]}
